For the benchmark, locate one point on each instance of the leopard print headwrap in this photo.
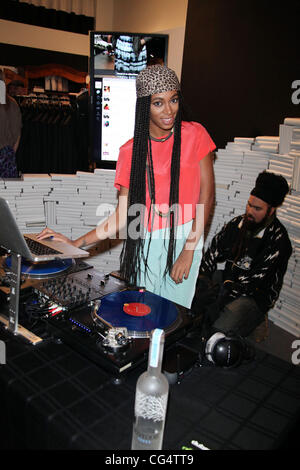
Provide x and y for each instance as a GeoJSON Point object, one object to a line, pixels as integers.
{"type": "Point", "coordinates": [156, 79]}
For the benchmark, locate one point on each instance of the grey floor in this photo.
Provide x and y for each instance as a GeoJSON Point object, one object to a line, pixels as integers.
{"type": "Point", "coordinates": [278, 342]}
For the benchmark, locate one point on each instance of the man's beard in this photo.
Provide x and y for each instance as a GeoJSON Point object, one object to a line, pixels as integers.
{"type": "Point", "coordinates": [248, 230]}
{"type": "Point", "coordinates": [250, 224]}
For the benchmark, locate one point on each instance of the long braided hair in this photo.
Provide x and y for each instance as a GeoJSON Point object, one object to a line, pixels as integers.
{"type": "Point", "coordinates": [132, 252]}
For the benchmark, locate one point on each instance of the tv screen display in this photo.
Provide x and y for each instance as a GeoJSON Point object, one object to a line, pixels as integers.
{"type": "Point", "coordinates": [115, 53]}
{"type": "Point", "coordinates": [114, 116]}
{"type": "Point", "coordinates": [115, 61]}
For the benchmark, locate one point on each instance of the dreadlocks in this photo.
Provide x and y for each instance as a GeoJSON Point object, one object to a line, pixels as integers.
{"type": "Point", "coordinates": [132, 251]}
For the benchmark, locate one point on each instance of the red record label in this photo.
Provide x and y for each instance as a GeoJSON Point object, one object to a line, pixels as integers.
{"type": "Point", "coordinates": [136, 309]}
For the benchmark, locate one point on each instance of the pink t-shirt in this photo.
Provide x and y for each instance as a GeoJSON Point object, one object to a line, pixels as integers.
{"type": "Point", "coordinates": [195, 145]}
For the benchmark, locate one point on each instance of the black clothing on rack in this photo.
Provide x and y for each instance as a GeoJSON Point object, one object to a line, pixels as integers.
{"type": "Point", "coordinates": [53, 137]}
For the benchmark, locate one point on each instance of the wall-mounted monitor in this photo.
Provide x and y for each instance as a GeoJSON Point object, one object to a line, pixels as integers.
{"type": "Point", "coordinates": [116, 58]}
{"type": "Point", "coordinates": [115, 53]}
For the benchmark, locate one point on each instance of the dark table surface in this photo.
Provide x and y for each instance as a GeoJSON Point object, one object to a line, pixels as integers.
{"type": "Point", "coordinates": [52, 397]}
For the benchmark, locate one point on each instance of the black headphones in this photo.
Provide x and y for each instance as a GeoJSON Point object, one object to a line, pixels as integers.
{"type": "Point", "coordinates": [228, 350]}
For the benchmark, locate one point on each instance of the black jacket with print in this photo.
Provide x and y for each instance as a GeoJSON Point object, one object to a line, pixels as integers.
{"type": "Point", "coordinates": [259, 272]}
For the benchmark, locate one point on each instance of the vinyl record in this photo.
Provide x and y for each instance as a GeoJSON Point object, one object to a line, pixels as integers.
{"type": "Point", "coordinates": [139, 311]}
{"type": "Point", "coordinates": [42, 270]}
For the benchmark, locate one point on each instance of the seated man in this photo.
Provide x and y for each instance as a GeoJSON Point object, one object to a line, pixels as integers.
{"type": "Point", "coordinates": [255, 248]}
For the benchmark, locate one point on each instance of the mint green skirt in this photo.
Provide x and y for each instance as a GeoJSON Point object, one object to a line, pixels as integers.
{"type": "Point", "coordinates": [155, 281]}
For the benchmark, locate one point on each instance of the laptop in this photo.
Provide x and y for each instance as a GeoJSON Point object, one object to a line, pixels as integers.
{"type": "Point", "coordinates": [27, 245]}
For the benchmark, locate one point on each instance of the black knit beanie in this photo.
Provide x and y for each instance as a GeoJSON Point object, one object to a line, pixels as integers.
{"type": "Point", "coordinates": [271, 188]}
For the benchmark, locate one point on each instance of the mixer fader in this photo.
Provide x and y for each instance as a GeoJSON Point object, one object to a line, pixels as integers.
{"type": "Point", "coordinates": [75, 289]}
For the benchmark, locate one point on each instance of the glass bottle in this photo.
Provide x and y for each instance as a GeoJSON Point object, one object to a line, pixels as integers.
{"type": "Point", "coordinates": [151, 399]}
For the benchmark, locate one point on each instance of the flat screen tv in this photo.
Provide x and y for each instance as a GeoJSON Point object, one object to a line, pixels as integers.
{"type": "Point", "coordinates": [116, 58]}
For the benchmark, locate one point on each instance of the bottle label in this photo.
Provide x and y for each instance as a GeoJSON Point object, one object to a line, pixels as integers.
{"type": "Point", "coordinates": [155, 346]}
{"type": "Point", "coordinates": [150, 406]}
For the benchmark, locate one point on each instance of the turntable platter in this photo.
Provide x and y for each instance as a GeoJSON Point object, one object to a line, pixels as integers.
{"type": "Point", "coordinates": [42, 270]}
{"type": "Point", "coordinates": [139, 311]}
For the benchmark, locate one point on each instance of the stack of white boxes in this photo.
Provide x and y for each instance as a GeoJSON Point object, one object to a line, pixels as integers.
{"type": "Point", "coordinates": [70, 204]}
{"type": "Point", "coordinates": [77, 204]}
{"type": "Point", "coordinates": [25, 198]}
{"type": "Point", "coordinates": [290, 143]}
{"type": "Point", "coordinates": [236, 169]}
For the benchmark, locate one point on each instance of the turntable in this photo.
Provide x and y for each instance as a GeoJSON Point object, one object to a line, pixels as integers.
{"type": "Point", "coordinates": [38, 271]}
{"type": "Point", "coordinates": [137, 310]}
{"type": "Point", "coordinates": [113, 331]}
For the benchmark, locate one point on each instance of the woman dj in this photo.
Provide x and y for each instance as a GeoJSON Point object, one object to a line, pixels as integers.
{"type": "Point", "coordinates": [164, 174]}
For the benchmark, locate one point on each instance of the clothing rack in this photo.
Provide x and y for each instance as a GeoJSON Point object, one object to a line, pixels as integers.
{"type": "Point", "coordinates": [39, 99]}
{"type": "Point", "coordinates": [54, 135]}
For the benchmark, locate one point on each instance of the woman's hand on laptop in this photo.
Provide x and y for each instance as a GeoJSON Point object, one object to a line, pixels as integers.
{"type": "Point", "coordinates": [49, 233]}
